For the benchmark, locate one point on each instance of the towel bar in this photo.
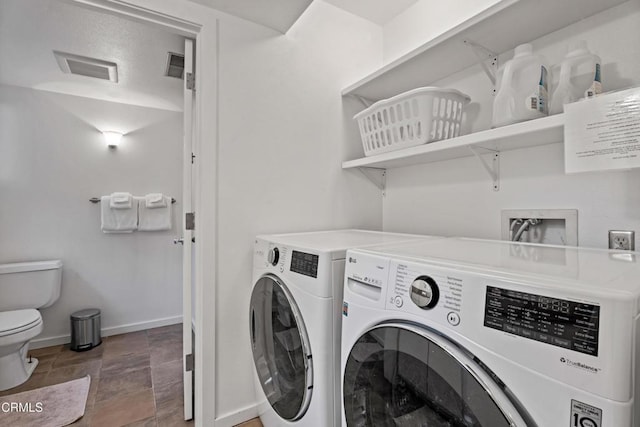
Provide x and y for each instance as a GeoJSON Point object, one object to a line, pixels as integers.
{"type": "Point", "coordinates": [97, 200]}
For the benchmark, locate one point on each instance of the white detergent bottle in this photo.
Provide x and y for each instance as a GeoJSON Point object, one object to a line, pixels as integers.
{"type": "Point", "coordinates": [579, 77]}
{"type": "Point", "coordinates": [522, 94]}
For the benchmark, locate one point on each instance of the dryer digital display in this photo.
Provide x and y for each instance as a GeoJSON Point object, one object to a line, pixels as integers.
{"type": "Point", "coordinates": [303, 263]}
{"type": "Point", "coordinates": [562, 323]}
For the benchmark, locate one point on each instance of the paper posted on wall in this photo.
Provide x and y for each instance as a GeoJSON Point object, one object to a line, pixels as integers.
{"type": "Point", "coordinates": [603, 133]}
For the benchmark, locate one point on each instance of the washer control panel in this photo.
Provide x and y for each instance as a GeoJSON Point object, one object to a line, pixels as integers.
{"type": "Point", "coordinates": [434, 293]}
{"type": "Point", "coordinates": [424, 292]}
{"type": "Point", "coordinates": [559, 322]}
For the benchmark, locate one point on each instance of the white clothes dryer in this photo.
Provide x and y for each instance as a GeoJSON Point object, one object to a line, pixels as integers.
{"type": "Point", "coordinates": [463, 332]}
{"type": "Point", "coordinates": [295, 322]}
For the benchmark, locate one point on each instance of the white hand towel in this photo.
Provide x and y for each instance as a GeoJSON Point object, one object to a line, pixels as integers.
{"type": "Point", "coordinates": [118, 220]}
{"type": "Point", "coordinates": [155, 200]}
{"type": "Point", "coordinates": [156, 218]}
{"type": "Point", "coordinates": [120, 200]}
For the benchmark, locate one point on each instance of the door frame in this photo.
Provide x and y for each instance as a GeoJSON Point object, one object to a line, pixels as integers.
{"type": "Point", "coordinates": [188, 246]}
{"type": "Point", "coordinates": [201, 24]}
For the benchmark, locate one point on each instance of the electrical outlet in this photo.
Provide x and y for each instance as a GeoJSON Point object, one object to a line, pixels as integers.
{"type": "Point", "coordinates": [622, 240]}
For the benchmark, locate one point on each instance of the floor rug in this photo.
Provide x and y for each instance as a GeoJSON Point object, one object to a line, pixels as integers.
{"type": "Point", "coordinates": [52, 406]}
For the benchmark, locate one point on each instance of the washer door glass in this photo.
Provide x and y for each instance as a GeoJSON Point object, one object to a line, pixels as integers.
{"type": "Point", "coordinates": [401, 375]}
{"type": "Point", "coordinates": [281, 350]}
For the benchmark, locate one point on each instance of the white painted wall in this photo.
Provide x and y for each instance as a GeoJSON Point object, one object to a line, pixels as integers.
{"type": "Point", "coordinates": [455, 197]}
{"type": "Point", "coordinates": [52, 160]}
{"type": "Point", "coordinates": [425, 20]}
{"type": "Point", "coordinates": [282, 126]}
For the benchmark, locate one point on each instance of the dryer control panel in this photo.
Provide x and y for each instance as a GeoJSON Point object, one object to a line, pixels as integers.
{"type": "Point", "coordinates": [304, 268]}
{"type": "Point", "coordinates": [304, 263]}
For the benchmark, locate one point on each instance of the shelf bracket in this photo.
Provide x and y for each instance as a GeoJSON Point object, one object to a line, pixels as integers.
{"type": "Point", "coordinates": [364, 101]}
{"type": "Point", "coordinates": [492, 169]}
{"type": "Point", "coordinates": [377, 176]}
{"type": "Point", "coordinates": [487, 59]}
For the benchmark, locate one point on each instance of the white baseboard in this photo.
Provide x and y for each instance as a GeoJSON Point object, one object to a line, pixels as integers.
{"type": "Point", "coordinates": [105, 332]}
{"type": "Point", "coordinates": [235, 418]}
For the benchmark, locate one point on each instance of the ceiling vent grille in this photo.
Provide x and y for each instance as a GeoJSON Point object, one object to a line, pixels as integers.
{"type": "Point", "coordinates": [85, 66]}
{"type": "Point", "coordinates": [175, 65]}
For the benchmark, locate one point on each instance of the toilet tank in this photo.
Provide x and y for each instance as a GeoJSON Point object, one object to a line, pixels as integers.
{"type": "Point", "coordinates": [29, 284]}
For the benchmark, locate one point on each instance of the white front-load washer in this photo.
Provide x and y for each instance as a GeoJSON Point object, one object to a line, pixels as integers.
{"type": "Point", "coordinates": [295, 315]}
{"type": "Point", "coordinates": [463, 332]}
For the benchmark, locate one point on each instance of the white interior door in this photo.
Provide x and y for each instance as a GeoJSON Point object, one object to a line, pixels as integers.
{"type": "Point", "coordinates": [187, 232]}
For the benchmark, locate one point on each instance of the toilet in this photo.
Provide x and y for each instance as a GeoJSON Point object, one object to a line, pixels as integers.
{"type": "Point", "coordinates": [24, 287]}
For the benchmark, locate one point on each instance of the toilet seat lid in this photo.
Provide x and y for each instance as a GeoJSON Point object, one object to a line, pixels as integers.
{"type": "Point", "coordinates": [15, 321]}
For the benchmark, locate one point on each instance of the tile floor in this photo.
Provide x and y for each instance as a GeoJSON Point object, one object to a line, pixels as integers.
{"type": "Point", "coordinates": [251, 423]}
{"type": "Point", "coordinates": [136, 379]}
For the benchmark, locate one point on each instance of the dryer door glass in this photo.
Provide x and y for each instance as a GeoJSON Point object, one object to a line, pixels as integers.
{"type": "Point", "coordinates": [281, 350]}
{"type": "Point", "coordinates": [397, 375]}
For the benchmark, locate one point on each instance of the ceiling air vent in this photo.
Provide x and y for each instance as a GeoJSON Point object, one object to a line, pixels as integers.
{"type": "Point", "coordinates": [175, 65]}
{"type": "Point", "coordinates": [85, 66]}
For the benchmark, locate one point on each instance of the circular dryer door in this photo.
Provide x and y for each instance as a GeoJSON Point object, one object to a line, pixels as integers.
{"type": "Point", "coordinates": [281, 350]}
{"type": "Point", "coordinates": [403, 375]}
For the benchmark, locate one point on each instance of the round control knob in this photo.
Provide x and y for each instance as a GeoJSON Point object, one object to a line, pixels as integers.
{"type": "Point", "coordinates": [424, 292]}
{"type": "Point", "coordinates": [274, 256]}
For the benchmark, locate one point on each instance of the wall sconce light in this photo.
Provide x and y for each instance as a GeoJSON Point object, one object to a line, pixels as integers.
{"type": "Point", "coordinates": [112, 138]}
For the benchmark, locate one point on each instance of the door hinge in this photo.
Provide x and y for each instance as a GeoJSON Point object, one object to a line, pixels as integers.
{"type": "Point", "coordinates": [190, 221]}
{"type": "Point", "coordinates": [188, 363]}
{"type": "Point", "coordinates": [191, 81]}
{"type": "Point", "coordinates": [193, 157]}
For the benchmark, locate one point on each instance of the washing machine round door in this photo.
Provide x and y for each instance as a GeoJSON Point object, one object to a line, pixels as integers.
{"type": "Point", "coordinates": [281, 350]}
{"type": "Point", "coordinates": [403, 375]}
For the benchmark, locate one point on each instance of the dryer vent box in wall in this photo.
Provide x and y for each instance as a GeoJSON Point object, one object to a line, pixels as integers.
{"type": "Point", "coordinates": [88, 67]}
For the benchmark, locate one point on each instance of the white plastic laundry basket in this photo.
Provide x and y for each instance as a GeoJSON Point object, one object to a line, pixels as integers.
{"type": "Point", "coordinates": [419, 116]}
